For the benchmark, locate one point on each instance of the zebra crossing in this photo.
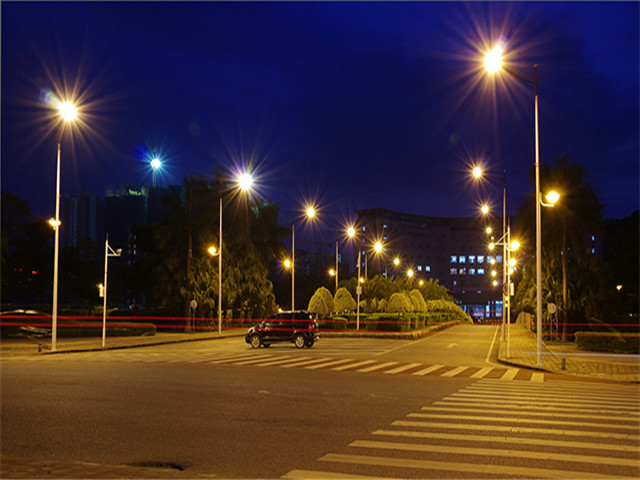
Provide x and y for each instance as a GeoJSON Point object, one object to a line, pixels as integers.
{"type": "Point", "coordinates": [308, 362]}
{"type": "Point", "coordinates": [497, 429]}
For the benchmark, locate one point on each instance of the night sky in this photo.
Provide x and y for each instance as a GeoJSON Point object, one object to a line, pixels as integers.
{"type": "Point", "coordinates": [351, 105]}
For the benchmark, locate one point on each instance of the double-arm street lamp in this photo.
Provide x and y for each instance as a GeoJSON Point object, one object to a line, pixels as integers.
{"type": "Point", "coordinates": [68, 113]}
{"type": "Point", "coordinates": [494, 63]}
{"type": "Point", "coordinates": [478, 173]}
{"type": "Point", "coordinates": [309, 214]}
{"type": "Point", "coordinates": [508, 263]}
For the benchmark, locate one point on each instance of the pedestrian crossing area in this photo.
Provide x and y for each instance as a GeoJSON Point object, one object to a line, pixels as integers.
{"type": "Point", "coordinates": [496, 429]}
{"type": "Point", "coordinates": [308, 362]}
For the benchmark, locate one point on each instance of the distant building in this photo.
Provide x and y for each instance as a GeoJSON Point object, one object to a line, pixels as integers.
{"type": "Point", "coordinates": [82, 216]}
{"type": "Point", "coordinates": [452, 250]}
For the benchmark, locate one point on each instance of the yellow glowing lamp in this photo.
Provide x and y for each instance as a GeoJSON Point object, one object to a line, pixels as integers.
{"type": "Point", "coordinates": [552, 197]}
{"type": "Point", "coordinates": [351, 232]}
{"type": "Point", "coordinates": [68, 111]}
{"type": "Point", "coordinates": [477, 172]}
{"type": "Point", "coordinates": [245, 181]}
{"type": "Point", "coordinates": [493, 60]}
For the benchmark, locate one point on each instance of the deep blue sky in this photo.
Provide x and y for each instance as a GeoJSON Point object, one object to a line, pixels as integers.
{"type": "Point", "coordinates": [355, 105]}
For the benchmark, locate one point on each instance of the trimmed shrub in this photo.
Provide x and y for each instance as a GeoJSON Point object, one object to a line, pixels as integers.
{"type": "Point", "coordinates": [321, 302]}
{"type": "Point", "coordinates": [333, 323]}
{"type": "Point", "coordinates": [608, 342]}
{"type": "Point", "coordinates": [343, 301]}
{"type": "Point", "coordinates": [399, 303]}
{"type": "Point", "coordinates": [417, 300]}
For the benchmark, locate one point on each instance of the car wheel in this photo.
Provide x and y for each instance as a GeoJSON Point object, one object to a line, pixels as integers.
{"type": "Point", "coordinates": [256, 341]}
{"type": "Point", "coordinates": [298, 340]}
{"type": "Point", "coordinates": [308, 342]}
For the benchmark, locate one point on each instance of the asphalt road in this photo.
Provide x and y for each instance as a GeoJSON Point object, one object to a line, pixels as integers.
{"type": "Point", "coordinates": [216, 409]}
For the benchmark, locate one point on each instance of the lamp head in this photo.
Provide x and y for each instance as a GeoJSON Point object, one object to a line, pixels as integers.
{"type": "Point", "coordinates": [68, 111]}
{"type": "Point", "coordinates": [493, 60]}
{"type": "Point", "coordinates": [245, 181]}
{"type": "Point", "coordinates": [552, 197]}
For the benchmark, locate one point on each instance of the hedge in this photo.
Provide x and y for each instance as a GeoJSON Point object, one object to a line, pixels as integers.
{"type": "Point", "coordinates": [608, 342]}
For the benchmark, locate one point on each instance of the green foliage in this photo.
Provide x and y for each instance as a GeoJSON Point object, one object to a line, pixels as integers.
{"type": "Point", "coordinates": [432, 290]}
{"type": "Point", "coordinates": [175, 266]}
{"type": "Point", "coordinates": [443, 310]}
{"type": "Point", "coordinates": [321, 302]}
{"type": "Point", "coordinates": [399, 303]}
{"type": "Point", "coordinates": [343, 301]}
{"type": "Point", "coordinates": [382, 305]}
{"type": "Point", "coordinates": [25, 249]}
{"type": "Point", "coordinates": [417, 301]}
{"type": "Point", "coordinates": [608, 342]}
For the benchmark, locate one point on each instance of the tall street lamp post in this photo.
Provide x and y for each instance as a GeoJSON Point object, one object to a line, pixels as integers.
{"type": "Point", "coordinates": [494, 63]}
{"type": "Point", "coordinates": [478, 173]}
{"type": "Point", "coordinates": [244, 182]}
{"type": "Point", "coordinates": [309, 213]}
{"type": "Point", "coordinates": [68, 113]}
{"type": "Point", "coordinates": [352, 233]}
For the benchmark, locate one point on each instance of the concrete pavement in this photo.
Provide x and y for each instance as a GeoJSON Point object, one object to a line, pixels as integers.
{"type": "Point", "coordinates": [520, 350]}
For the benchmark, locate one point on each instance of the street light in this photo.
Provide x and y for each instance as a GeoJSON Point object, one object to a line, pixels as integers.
{"type": "Point", "coordinates": [478, 173]}
{"type": "Point", "coordinates": [309, 213]}
{"type": "Point", "coordinates": [352, 233]}
{"type": "Point", "coordinates": [493, 64]}
{"type": "Point", "coordinates": [108, 252]}
{"type": "Point", "coordinates": [68, 113]}
{"type": "Point", "coordinates": [244, 181]}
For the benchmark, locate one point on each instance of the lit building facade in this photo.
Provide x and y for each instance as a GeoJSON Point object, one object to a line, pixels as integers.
{"type": "Point", "coordinates": [452, 250]}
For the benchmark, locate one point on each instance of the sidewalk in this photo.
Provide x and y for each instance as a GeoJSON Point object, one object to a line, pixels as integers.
{"type": "Point", "coordinates": [30, 346]}
{"type": "Point", "coordinates": [521, 351]}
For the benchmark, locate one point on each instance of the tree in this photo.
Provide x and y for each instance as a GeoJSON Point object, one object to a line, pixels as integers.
{"type": "Point", "coordinates": [417, 301]}
{"type": "Point", "coordinates": [343, 301]}
{"type": "Point", "coordinates": [27, 256]}
{"type": "Point", "coordinates": [565, 229]}
{"type": "Point", "coordinates": [432, 290]}
{"type": "Point", "coordinates": [399, 303]}
{"type": "Point", "coordinates": [321, 302]}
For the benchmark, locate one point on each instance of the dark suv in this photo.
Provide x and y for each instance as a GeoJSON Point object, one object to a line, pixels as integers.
{"type": "Point", "coordinates": [299, 327]}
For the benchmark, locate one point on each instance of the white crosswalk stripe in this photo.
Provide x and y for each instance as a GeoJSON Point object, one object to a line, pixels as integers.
{"type": "Point", "coordinates": [498, 429]}
{"type": "Point", "coordinates": [263, 359]}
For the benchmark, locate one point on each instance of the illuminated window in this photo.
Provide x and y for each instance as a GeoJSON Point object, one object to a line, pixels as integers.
{"type": "Point", "coordinates": [472, 259]}
{"type": "Point", "coordinates": [481, 271]}
{"type": "Point", "coordinates": [480, 258]}
{"type": "Point", "coordinates": [499, 258]}
{"type": "Point", "coordinates": [427, 268]}
{"type": "Point", "coordinates": [462, 271]}
{"type": "Point", "coordinates": [472, 271]}
{"type": "Point", "coordinates": [454, 259]}
{"type": "Point", "coordinates": [463, 259]}
{"type": "Point", "coordinates": [453, 271]}
{"type": "Point", "coordinates": [419, 268]}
